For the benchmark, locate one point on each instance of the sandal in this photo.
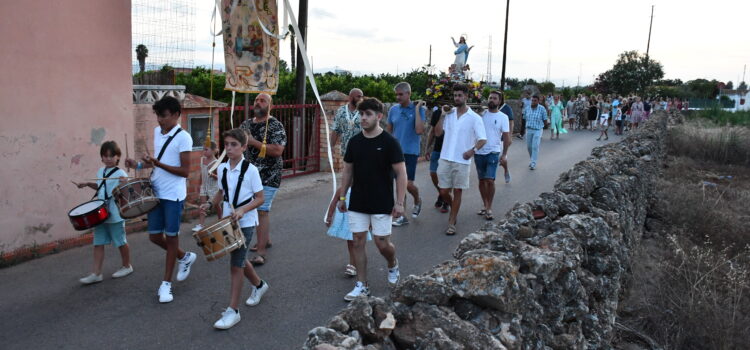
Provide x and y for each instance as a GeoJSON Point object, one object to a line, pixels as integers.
{"type": "Point", "coordinates": [255, 247]}
{"type": "Point", "coordinates": [258, 260]}
{"type": "Point", "coordinates": [482, 212]}
{"type": "Point", "coordinates": [488, 216]}
{"type": "Point", "coordinates": [451, 230]}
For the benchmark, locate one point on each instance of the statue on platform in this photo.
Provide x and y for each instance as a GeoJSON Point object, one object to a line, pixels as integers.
{"type": "Point", "coordinates": [462, 55]}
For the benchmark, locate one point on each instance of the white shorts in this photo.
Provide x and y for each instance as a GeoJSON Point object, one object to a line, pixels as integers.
{"type": "Point", "coordinates": [453, 175]}
{"type": "Point", "coordinates": [603, 119]}
{"type": "Point", "coordinates": [378, 224]}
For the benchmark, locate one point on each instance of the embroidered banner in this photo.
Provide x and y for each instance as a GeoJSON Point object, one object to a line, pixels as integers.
{"type": "Point", "coordinates": [251, 56]}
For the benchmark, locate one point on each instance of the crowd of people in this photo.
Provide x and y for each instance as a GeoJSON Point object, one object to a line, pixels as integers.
{"type": "Point", "coordinates": [365, 207]}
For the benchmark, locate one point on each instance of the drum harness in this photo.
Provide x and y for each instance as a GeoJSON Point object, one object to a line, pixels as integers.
{"type": "Point", "coordinates": [225, 186]}
{"type": "Point", "coordinates": [104, 184]}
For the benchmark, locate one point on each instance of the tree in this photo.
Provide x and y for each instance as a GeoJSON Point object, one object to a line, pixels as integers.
{"type": "Point", "coordinates": [141, 52]}
{"type": "Point", "coordinates": [743, 86]}
{"type": "Point", "coordinates": [547, 87]}
{"type": "Point", "coordinates": [632, 73]}
{"type": "Point", "coordinates": [729, 85]}
{"type": "Point", "coordinates": [703, 88]}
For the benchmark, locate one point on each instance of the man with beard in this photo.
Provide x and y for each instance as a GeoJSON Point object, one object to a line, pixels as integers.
{"type": "Point", "coordinates": [265, 144]}
{"type": "Point", "coordinates": [464, 135]}
{"type": "Point", "coordinates": [372, 157]}
{"type": "Point", "coordinates": [486, 159]}
{"type": "Point", "coordinates": [346, 124]}
{"type": "Point", "coordinates": [406, 123]}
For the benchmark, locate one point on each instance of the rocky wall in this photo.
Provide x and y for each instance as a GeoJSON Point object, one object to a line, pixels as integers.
{"type": "Point", "coordinates": [549, 276]}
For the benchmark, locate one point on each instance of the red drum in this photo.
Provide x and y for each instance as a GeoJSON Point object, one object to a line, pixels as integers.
{"type": "Point", "coordinates": [89, 214]}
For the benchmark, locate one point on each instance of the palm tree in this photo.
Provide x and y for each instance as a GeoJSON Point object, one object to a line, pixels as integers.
{"type": "Point", "coordinates": [293, 47]}
{"type": "Point", "coordinates": [141, 52]}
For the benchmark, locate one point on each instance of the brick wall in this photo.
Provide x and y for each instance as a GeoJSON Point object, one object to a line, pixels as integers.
{"type": "Point", "coordinates": [331, 103]}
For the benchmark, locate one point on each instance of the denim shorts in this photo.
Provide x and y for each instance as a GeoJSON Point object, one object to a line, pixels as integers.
{"type": "Point", "coordinates": [268, 194]}
{"type": "Point", "coordinates": [434, 160]}
{"type": "Point", "coordinates": [107, 233]}
{"type": "Point", "coordinates": [411, 166]}
{"type": "Point", "coordinates": [166, 218]}
{"type": "Point", "coordinates": [237, 256]}
{"type": "Point", "coordinates": [486, 165]}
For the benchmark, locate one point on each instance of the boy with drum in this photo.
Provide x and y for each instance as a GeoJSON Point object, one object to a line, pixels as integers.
{"type": "Point", "coordinates": [171, 169]}
{"type": "Point", "coordinates": [113, 229]}
{"type": "Point", "coordinates": [241, 193]}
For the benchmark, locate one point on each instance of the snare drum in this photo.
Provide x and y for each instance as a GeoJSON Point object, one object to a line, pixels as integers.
{"type": "Point", "coordinates": [89, 214]}
{"type": "Point", "coordinates": [135, 198]}
{"type": "Point", "coordinates": [219, 239]}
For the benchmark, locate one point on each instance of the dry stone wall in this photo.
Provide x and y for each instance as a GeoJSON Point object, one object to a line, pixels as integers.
{"type": "Point", "coordinates": [549, 276]}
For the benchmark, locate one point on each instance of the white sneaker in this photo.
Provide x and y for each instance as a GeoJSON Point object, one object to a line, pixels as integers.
{"type": "Point", "coordinates": [400, 221]}
{"type": "Point", "coordinates": [228, 319]}
{"type": "Point", "coordinates": [92, 278]}
{"type": "Point", "coordinates": [123, 271]}
{"type": "Point", "coordinates": [197, 228]}
{"type": "Point", "coordinates": [256, 294]}
{"type": "Point", "coordinates": [359, 289]}
{"type": "Point", "coordinates": [393, 275]}
{"type": "Point", "coordinates": [165, 292]}
{"type": "Point", "coordinates": [350, 270]}
{"type": "Point", "coordinates": [184, 269]}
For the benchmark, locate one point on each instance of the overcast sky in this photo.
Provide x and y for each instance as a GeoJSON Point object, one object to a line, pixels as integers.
{"type": "Point", "coordinates": [580, 39]}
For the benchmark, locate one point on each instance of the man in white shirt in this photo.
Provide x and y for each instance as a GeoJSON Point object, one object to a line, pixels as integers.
{"type": "Point", "coordinates": [495, 151]}
{"type": "Point", "coordinates": [464, 135]}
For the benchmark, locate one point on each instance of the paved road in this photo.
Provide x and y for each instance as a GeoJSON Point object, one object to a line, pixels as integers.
{"type": "Point", "coordinates": [43, 306]}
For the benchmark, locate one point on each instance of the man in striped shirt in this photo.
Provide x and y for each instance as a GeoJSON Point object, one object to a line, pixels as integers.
{"type": "Point", "coordinates": [536, 117]}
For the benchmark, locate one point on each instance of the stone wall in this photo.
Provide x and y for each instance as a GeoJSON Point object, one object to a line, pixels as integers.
{"type": "Point", "coordinates": [549, 276]}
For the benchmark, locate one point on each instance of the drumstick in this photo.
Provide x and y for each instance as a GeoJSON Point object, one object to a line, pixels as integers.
{"type": "Point", "coordinates": [109, 178]}
{"type": "Point", "coordinates": [127, 153]}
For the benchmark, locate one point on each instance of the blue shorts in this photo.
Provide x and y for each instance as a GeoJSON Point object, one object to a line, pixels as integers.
{"type": "Point", "coordinates": [268, 194]}
{"type": "Point", "coordinates": [107, 233]}
{"type": "Point", "coordinates": [237, 256]}
{"type": "Point", "coordinates": [411, 166]}
{"type": "Point", "coordinates": [486, 165]}
{"type": "Point", "coordinates": [166, 218]}
{"type": "Point", "coordinates": [434, 160]}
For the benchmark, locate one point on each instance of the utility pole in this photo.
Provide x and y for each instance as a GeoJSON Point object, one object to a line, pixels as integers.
{"type": "Point", "coordinates": [505, 46]}
{"type": "Point", "coordinates": [489, 60]}
{"type": "Point", "coordinates": [648, 45]}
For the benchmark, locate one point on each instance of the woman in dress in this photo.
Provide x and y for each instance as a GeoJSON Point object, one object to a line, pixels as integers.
{"type": "Point", "coordinates": [593, 111]}
{"type": "Point", "coordinates": [556, 109]}
{"type": "Point", "coordinates": [636, 112]}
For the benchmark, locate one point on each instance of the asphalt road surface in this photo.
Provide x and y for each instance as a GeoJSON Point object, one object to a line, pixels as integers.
{"type": "Point", "coordinates": [43, 306]}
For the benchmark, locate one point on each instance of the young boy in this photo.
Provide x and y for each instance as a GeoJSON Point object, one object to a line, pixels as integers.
{"type": "Point", "coordinates": [171, 168]}
{"type": "Point", "coordinates": [241, 192]}
{"type": "Point", "coordinates": [112, 230]}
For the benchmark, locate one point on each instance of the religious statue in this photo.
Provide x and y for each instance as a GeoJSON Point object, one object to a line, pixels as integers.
{"type": "Point", "coordinates": [462, 55]}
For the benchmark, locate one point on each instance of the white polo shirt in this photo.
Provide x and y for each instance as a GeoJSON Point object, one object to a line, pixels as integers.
{"type": "Point", "coordinates": [461, 134]}
{"type": "Point", "coordinates": [251, 184]}
{"type": "Point", "coordinates": [495, 124]}
{"type": "Point", "coordinates": [167, 185]}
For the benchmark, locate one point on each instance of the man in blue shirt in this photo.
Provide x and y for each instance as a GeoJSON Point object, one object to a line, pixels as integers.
{"type": "Point", "coordinates": [404, 125]}
{"type": "Point", "coordinates": [535, 117]}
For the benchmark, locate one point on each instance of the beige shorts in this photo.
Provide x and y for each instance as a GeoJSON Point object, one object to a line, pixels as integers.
{"type": "Point", "coordinates": [453, 175]}
{"type": "Point", "coordinates": [381, 224]}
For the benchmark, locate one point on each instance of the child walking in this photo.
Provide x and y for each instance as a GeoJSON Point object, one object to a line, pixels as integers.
{"type": "Point", "coordinates": [241, 193]}
{"type": "Point", "coordinates": [111, 231]}
{"type": "Point", "coordinates": [209, 185]}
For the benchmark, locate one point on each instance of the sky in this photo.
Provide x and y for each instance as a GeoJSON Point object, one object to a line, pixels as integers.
{"type": "Point", "coordinates": [577, 40]}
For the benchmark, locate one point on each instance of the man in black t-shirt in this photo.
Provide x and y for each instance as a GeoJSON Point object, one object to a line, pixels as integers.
{"type": "Point", "coordinates": [434, 157]}
{"type": "Point", "coordinates": [372, 157]}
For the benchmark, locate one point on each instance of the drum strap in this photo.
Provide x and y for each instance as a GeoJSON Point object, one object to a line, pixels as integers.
{"type": "Point", "coordinates": [164, 148]}
{"type": "Point", "coordinates": [104, 183]}
{"type": "Point", "coordinates": [225, 186]}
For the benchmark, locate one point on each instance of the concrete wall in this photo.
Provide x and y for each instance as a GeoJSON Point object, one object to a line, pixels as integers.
{"type": "Point", "coordinates": [549, 276]}
{"type": "Point", "coordinates": [65, 88]}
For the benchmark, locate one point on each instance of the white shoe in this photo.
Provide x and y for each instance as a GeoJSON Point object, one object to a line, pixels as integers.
{"type": "Point", "coordinates": [92, 278]}
{"type": "Point", "coordinates": [185, 263]}
{"type": "Point", "coordinates": [393, 275]}
{"type": "Point", "coordinates": [165, 292]}
{"type": "Point", "coordinates": [228, 319]}
{"type": "Point", "coordinates": [359, 289]}
{"type": "Point", "coordinates": [350, 270]}
{"type": "Point", "coordinates": [400, 221]}
{"type": "Point", "coordinates": [197, 228]}
{"type": "Point", "coordinates": [257, 294]}
{"type": "Point", "coordinates": [123, 271]}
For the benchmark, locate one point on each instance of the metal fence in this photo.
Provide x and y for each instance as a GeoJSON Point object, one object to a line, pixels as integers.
{"type": "Point", "coordinates": [302, 152]}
